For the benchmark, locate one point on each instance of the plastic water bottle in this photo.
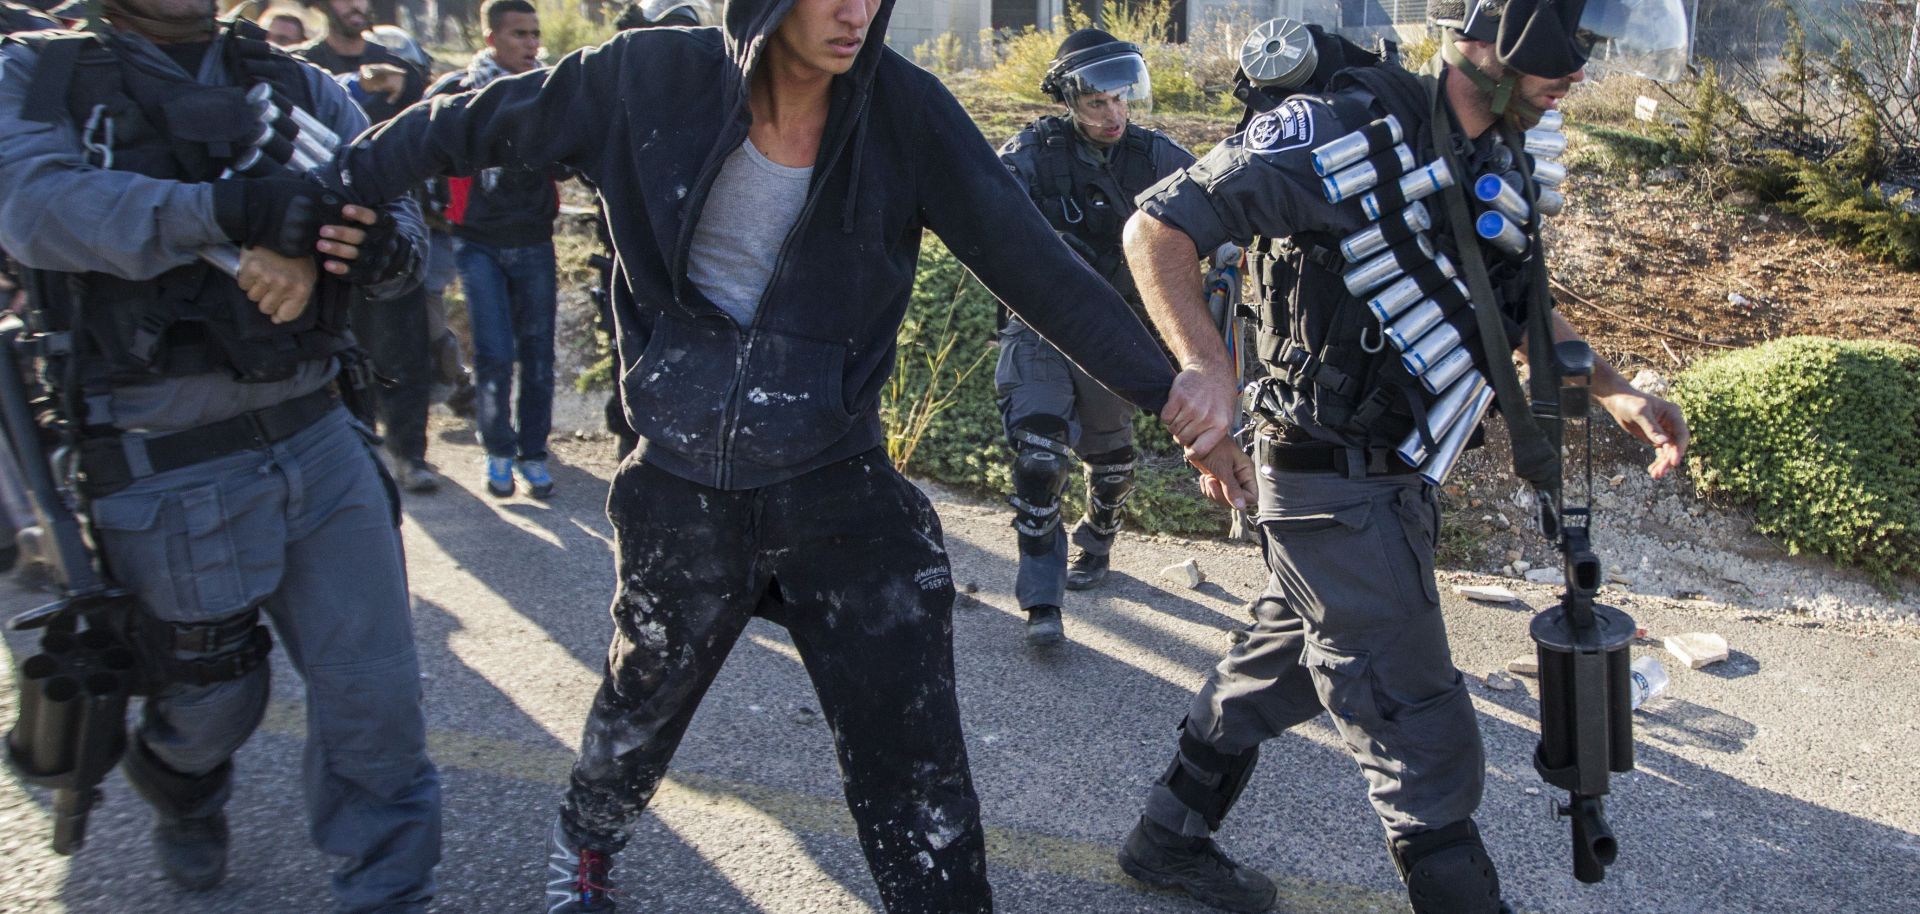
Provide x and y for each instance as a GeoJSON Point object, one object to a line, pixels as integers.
{"type": "Point", "coordinates": [1649, 680]}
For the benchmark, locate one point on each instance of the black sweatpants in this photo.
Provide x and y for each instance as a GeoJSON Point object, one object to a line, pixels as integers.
{"type": "Point", "coordinates": [849, 559]}
{"type": "Point", "coordinates": [394, 334]}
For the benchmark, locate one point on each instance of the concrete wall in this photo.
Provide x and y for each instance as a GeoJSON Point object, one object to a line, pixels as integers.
{"type": "Point", "coordinates": [918, 21]}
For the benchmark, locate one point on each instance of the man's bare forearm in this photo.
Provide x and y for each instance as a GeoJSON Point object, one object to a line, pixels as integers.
{"type": "Point", "coordinates": [1166, 270]}
{"type": "Point", "coordinates": [1607, 380]}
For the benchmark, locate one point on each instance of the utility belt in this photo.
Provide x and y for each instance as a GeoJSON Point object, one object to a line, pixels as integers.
{"type": "Point", "coordinates": [112, 462]}
{"type": "Point", "coordinates": [1275, 455]}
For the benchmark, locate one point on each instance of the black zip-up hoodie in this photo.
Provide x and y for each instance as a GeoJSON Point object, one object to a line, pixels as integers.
{"type": "Point", "coordinates": [649, 117]}
{"type": "Point", "coordinates": [500, 207]}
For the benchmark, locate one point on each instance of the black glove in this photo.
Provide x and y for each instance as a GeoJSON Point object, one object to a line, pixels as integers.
{"type": "Point", "coordinates": [384, 254]}
{"type": "Point", "coordinates": [283, 215]}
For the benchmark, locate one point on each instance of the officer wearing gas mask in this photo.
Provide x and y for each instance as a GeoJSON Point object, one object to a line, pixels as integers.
{"type": "Point", "coordinates": [1395, 278]}
{"type": "Point", "coordinates": [1083, 169]}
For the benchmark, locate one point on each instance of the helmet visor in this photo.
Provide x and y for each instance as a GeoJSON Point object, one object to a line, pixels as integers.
{"type": "Point", "coordinates": [1641, 37]}
{"type": "Point", "coordinates": [1124, 77]}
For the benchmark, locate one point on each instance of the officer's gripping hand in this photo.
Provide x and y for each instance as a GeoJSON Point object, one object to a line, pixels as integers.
{"type": "Point", "coordinates": [365, 246]}
{"type": "Point", "coordinates": [282, 214]}
{"type": "Point", "coordinates": [1654, 421]}
{"type": "Point", "coordinates": [281, 286]}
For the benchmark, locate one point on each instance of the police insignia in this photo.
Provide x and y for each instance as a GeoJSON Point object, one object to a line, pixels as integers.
{"type": "Point", "coordinates": [1289, 126]}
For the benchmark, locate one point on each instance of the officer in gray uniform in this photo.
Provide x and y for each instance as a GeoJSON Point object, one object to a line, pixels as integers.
{"type": "Point", "coordinates": [1083, 169]}
{"type": "Point", "coordinates": [223, 479]}
{"type": "Point", "coordinates": [1350, 621]}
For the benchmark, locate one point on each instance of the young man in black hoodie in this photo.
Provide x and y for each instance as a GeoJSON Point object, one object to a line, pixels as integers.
{"type": "Point", "coordinates": [752, 364]}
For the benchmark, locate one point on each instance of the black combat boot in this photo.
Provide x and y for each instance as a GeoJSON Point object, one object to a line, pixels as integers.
{"type": "Point", "coordinates": [577, 878]}
{"type": "Point", "coordinates": [1166, 859]}
{"type": "Point", "coordinates": [189, 826]}
{"type": "Point", "coordinates": [1044, 626]}
{"type": "Point", "coordinates": [1086, 570]}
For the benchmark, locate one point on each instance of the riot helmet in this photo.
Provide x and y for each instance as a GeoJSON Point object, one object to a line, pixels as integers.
{"type": "Point", "coordinates": [403, 45]}
{"type": "Point", "coordinates": [642, 14]}
{"type": "Point", "coordinates": [1555, 38]}
{"type": "Point", "coordinates": [1103, 82]}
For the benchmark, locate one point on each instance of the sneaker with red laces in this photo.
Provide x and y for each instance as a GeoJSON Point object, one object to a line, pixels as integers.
{"type": "Point", "coordinates": [577, 881]}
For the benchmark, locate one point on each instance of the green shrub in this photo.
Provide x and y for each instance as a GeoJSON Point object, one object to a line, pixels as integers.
{"type": "Point", "coordinates": [565, 28]}
{"type": "Point", "coordinates": [963, 443]}
{"type": "Point", "coordinates": [1858, 215]}
{"type": "Point", "coordinates": [1631, 150]}
{"type": "Point", "coordinates": [1823, 437]}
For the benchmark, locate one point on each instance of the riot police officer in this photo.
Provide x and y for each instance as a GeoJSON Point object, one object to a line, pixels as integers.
{"type": "Point", "coordinates": [1351, 620]}
{"type": "Point", "coordinates": [221, 475]}
{"type": "Point", "coordinates": [1083, 169]}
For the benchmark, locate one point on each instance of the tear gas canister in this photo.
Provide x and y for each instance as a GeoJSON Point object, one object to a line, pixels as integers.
{"type": "Point", "coordinates": [1501, 232]}
{"type": "Point", "coordinates": [1545, 144]}
{"type": "Point", "coordinates": [1389, 231]}
{"type": "Point", "coordinates": [1494, 191]}
{"type": "Point", "coordinates": [1416, 184]}
{"type": "Point", "coordinates": [1381, 134]}
{"type": "Point", "coordinates": [1447, 452]}
{"type": "Point", "coordinates": [1441, 418]}
{"type": "Point", "coordinates": [1366, 175]}
{"type": "Point", "coordinates": [1401, 258]}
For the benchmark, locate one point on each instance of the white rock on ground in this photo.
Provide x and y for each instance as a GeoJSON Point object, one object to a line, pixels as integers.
{"type": "Point", "coordinates": [1696, 649]}
{"type": "Point", "coordinates": [1546, 576]}
{"type": "Point", "coordinates": [1188, 571]}
{"type": "Point", "coordinates": [1487, 593]}
{"type": "Point", "coordinates": [1524, 665]}
{"type": "Point", "coordinates": [1501, 682]}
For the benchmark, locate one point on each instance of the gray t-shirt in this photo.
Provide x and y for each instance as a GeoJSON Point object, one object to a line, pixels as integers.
{"type": "Point", "coordinates": [752, 207]}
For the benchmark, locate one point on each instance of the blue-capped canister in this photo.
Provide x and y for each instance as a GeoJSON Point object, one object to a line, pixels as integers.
{"type": "Point", "coordinates": [1353, 147]}
{"type": "Point", "coordinates": [1430, 349]}
{"type": "Point", "coordinates": [1412, 324]}
{"type": "Point", "coordinates": [1501, 232]}
{"type": "Point", "coordinates": [1545, 144]}
{"type": "Point", "coordinates": [1494, 191]}
{"type": "Point", "coordinates": [1441, 418]}
{"type": "Point", "coordinates": [1407, 255]}
{"type": "Point", "coordinates": [1414, 185]}
{"type": "Point", "coordinates": [1392, 300]}
{"type": "Point", "coordinates": [1447, 452]}
{"type": "Point", "coordinates": [1344, 184]}
{"type": "Point", "coordinates": [1449, 369]}
{"type": "Point", "coordinates": [1551, 202]}
{"type": "Point", "coordinates": [1377, 237]}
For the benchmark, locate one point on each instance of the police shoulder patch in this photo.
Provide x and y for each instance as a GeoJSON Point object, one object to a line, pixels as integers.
{"type": "Point", "coordinates": [1289, 126]}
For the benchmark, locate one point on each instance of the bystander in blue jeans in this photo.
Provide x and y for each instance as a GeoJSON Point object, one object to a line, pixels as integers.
{"type": "Point", "coordinates": [510, 302]}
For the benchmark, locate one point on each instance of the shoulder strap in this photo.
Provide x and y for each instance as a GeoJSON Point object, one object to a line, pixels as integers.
{"type": "Point", "coordinates": [1536, 450]}
{"type": "Point", "coordinates": [53, 74]}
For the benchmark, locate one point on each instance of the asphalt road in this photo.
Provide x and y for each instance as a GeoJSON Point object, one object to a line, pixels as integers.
{"type": "Point", "coordinates": [1781, 781]}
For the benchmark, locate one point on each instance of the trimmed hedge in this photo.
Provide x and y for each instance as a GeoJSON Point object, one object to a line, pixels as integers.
{"type": "Point", "coordinates": [1823, 437]}
{"type": "Point", "coordinates": [965, 446]}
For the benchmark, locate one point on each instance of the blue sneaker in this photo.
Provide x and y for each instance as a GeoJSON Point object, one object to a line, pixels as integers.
{"type": "Point", "coordinates": [500, 476]}
{"type": "Point", "coordinates": [539, 484]}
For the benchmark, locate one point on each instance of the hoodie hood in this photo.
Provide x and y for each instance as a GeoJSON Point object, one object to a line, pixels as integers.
{"type": "Point", "coordinates": [749, 25]}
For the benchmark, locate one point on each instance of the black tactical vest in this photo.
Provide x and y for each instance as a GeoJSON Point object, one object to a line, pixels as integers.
{"type": "Point", "coordinates": [1315, 338]}
{"type": "Point", "coordinates": [192, 319]}
{"type": "Point", "coordinates": [1091, 202]}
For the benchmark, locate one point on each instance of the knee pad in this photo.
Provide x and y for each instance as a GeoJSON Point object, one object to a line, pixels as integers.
{"type": "Point", "coordinates": [1039, 476]}
{"type": "Point", "coordinates": [1207, 780]}
{"type": "Point", "coordinates": [203, 653]}
{"type": "Point", "coordinates": [1109, 485]}
{"type": "Point", "coordinates": [1447, 871]}
{"type": "Point", "coordinates": [173, 794]}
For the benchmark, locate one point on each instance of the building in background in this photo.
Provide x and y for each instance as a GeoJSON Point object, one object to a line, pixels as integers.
{"type": "Point", "coordinates": [915, 22]}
